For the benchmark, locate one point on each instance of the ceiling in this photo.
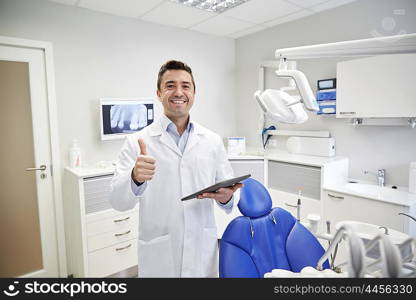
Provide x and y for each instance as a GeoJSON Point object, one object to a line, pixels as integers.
{"type": "Point", "coordinates": [247, 18]}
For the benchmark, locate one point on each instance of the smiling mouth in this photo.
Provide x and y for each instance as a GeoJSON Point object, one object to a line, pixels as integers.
{"type": "Point", "coordinates": [178, 101]}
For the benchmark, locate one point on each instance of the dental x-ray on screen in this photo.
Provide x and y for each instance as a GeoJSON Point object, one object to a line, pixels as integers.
{"type": "Point", "coordinates": [120, 117]}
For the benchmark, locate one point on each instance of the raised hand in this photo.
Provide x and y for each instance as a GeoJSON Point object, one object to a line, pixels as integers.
{"type": "Point", "coordinates": [145, 166]}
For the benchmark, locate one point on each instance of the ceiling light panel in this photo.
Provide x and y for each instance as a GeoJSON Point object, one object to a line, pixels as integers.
{"type": "Point", "coordinates": [221, 25]}
{"type": "Point", "coordinates": [217, 6]}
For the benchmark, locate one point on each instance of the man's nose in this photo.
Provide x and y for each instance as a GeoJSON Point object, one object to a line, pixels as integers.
{"type": "Point", "coordinates": [178, 92]}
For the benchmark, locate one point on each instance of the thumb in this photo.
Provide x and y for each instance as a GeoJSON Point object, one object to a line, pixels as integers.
{"type": "Point", "coordinates": [142, 146]}
{"type": "Point", "coordinates": [237, 186]}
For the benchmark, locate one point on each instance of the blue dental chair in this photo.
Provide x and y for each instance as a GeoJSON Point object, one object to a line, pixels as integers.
{"type": "Point", "coordinates": [265, 238]}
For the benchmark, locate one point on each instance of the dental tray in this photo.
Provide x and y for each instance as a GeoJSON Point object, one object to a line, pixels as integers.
{"type": "Point", "coordinates": [217, 186]}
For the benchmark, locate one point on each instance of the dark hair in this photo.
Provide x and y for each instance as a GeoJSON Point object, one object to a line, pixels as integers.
{"type": "Point", "coordinates": [173, 65]}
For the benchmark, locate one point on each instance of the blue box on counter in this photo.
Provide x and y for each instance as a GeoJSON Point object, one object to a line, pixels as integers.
{"type": "Point", "coordinates": [324, 95]}
{"type": "Point", "coordinates": [327, 108]}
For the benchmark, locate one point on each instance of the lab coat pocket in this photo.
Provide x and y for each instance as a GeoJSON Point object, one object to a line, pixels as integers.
{"type": "Point", "coordinates": [210, 253]}
{"type": "Point", "coordinates": [155, 257]}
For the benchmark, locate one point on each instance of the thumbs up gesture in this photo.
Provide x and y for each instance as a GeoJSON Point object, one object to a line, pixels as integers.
{"type": "Point", "coordinates": [144, 169]}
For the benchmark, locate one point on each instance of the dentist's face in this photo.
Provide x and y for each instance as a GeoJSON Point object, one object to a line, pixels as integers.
{"type": "Point", "coordinates": [176, 93]}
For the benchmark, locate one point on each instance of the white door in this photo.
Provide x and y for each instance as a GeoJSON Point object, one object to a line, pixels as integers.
{"type": "Point", "coordinates": [28, 232]}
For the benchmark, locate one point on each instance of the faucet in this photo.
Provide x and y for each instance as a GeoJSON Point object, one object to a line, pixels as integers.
{"type": "Point", "coordinates": [381, 176]}
{"type": "Point", "coordinates": [386, 230]}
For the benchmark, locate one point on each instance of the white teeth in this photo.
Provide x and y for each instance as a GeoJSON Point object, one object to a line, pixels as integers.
{"type": "Point", "coordinates": [178, 101]}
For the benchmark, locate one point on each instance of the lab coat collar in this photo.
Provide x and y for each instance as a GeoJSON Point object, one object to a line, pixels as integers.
{"type": "Point", "coordinates": [166, 122]}
{"type": "Point", "coordinates": [159, 126]}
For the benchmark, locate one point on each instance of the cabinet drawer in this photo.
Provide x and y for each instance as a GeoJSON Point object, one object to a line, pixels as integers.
{"type": "Point", "coordinates": [341, 207]}
{"type": "Point", "coordinates": [291, 178]}
{"type": "Point", "coordinates": [115, 223]}
{"type": "Point", "coordinates": [97, 184]}
{"type": "Point", "coordinates": [96, 194]}
{"type": "Point", "coordinates": [107, 239]}
{"type": "Point", "coordinates": [253, 167]}
{"type": "Point", "coordinates": [112, 259]}
{"type": "Point", "coordinates": [96, 203]}
{"type": "Point", "coordinates": [308, 205]}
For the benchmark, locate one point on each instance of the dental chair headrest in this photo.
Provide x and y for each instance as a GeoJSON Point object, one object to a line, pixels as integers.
{"type": "Point", "coordinates": [255, 200]}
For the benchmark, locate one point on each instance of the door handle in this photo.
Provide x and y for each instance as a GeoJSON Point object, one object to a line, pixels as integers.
{"type": "Point", "coordinates": [41, 168]}
{"type": "Point", "coordinates": [120, 234]}
{"type": "Point", "coordinates": [122, 248]}
{"type": "Point", "coordinates": [336, 197]}
{"type": "Point", "coordinates": [121, 220]}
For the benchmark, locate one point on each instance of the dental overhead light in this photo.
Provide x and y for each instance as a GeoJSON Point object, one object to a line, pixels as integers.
{"type": "Point", "coordinates": [217, 6]}
{"type": "Point", "coordinates": [281, 107]}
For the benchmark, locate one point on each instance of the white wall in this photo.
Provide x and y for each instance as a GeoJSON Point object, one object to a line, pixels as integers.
{"type": "Point", "coordinates": [99, 55]}
{"type": "Point", "coordinates": [368, 147]}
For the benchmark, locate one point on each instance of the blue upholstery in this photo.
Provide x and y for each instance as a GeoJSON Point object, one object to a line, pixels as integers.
{"type": "Point", "coordinates": [265, 238]}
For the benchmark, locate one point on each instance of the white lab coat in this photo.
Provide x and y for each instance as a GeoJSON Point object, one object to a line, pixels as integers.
{"type": "Point", "coordinates": [176, 238]}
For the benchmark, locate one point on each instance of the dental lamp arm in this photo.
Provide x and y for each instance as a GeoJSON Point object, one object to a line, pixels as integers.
{"type": "Point", "coordinates": [305, 91]}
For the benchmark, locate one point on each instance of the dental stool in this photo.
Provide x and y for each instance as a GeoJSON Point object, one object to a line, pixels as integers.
{"type": "Point", "coordinates": [265, 238]}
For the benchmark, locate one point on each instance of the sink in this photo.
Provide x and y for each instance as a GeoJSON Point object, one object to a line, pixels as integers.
{"type": "Point", "coordinates": [368, 231]}
{"type": "Point", "coordinates": [372, 189]}
{"type": "Point", "coordinates": [383, 193]}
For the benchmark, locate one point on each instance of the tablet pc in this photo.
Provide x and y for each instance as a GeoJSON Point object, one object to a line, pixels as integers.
{"type": "Point", "coordinates": [217, 186]}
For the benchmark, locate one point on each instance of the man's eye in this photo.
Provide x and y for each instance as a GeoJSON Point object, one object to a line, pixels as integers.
{"type": "Point", "coordinates": [170, 86]}
{"type": "Point", "coordinates": [186, 86]}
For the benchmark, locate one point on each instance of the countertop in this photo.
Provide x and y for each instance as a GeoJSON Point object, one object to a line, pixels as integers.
{"type": "Point", "coordinates": [107, 167]}
{"type": "Point", "coordinates": [317, 161]}
{"type": "Point", "coordinates": [88, 171]}
{"type": "Point", "coordinates": [398, 196]}
{"type": "Point", "coordinates": [245, 157]}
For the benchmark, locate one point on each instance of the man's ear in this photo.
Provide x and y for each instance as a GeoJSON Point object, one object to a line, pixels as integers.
{"type": "Point", "coordinates": [158, 95]}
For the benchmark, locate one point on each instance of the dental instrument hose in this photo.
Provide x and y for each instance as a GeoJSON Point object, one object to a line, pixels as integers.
{"type": "Point", "coordinates": [263, 133]}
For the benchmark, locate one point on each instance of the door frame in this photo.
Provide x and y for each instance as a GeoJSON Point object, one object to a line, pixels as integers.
{"type": "Point", "coordinates": [47, 49]}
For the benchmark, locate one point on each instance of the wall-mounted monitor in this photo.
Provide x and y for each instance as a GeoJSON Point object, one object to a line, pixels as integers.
{"type": "Point", "coordinates": [120, 117]}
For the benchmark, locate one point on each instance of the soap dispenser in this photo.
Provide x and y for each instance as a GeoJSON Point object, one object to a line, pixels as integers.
{"type": "Point", "coordinates": [74, 155]}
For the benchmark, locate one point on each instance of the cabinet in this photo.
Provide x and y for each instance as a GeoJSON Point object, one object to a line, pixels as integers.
{"type": "Point", "coordinates": [339, 207]}
{"type": "Point", "coordinates": [255, 167]}
{"type": "Point", "coordinates": [288, 173]}
{"type": "Point", "coordinates": [100, 240]}
{"type": "Point", "coordinates": [377, 87]}
{"type": "Point", "coordinates": [285, 182]}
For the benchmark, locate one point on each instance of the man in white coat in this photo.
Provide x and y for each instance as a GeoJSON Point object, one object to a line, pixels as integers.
{"type": "Point", "coordinates": [164, 162]}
